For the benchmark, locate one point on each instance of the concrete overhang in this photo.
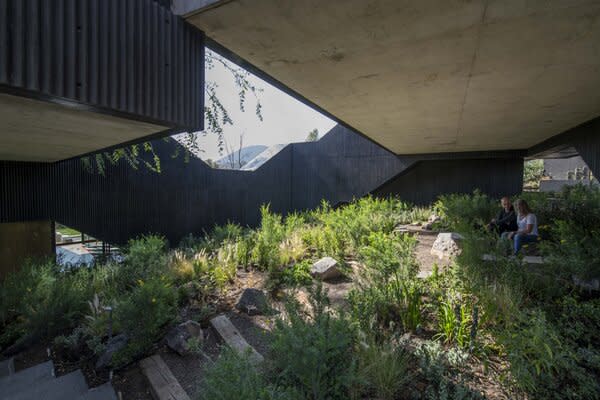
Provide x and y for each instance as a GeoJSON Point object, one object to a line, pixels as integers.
{"type": "Point", "coordinates": [35, 130]}
{"type": "Point", "coordinates": [424, 76]}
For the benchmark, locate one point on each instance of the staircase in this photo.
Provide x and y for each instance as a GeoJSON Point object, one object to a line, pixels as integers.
{"type": "Point", "coordinates": [39, 382]}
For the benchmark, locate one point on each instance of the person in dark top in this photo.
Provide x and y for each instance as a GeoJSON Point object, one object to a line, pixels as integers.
{"type": "Point", "coordinates": [506, 220]}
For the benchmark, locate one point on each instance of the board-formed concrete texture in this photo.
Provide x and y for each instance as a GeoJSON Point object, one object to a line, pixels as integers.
{"type": "Point", "coordinates": [34, 130]}
{"type": "Point", "coordinates": [426, 76]}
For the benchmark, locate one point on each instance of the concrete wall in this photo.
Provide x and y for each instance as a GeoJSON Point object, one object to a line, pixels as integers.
{"type": "Point", "coordinates": [22, 240]}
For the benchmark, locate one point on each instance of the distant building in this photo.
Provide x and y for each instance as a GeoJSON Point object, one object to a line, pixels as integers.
{"type": "Point", "coordinates": [561, 172]}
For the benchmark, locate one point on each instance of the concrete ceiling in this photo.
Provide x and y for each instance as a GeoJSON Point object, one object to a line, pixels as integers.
{"type": "Point", "coordinates": [33, 130]}
{"type": "Point", "coordinates": [426, 76]}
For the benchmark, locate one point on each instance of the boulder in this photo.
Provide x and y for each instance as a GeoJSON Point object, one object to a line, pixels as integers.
{"type": "Point", "coordinates": [178, 338]}
{"type": "Point", "coordinates": [115, 344]}
{"type": "Point", "coordinates": [253, 302]}
{"type": "Point", "coordinates": [326, 268]}
{"type": "Point", "coordinates": [446, 245]}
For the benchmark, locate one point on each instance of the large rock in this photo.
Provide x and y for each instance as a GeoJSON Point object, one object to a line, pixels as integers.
{"type": "Point", "coordinates": [326, 268]}
{"type": "Point", "coordinates": [178, 338]}
{"type": "Point", "coordinates": [253, 302]}
{"type": "Point", "coordinates": [446, 245]}
{"type": "Point", "coordinates": [115, 344]}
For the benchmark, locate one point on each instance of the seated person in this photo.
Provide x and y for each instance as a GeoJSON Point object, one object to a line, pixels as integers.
{"type": "Point", "coordinates": [527, 231]}
{"type": "Point", "coordinates": [506, 220]}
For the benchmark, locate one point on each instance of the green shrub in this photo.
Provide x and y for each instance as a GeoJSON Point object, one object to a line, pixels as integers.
{"type": "Point", "coordinates": [145, 258]}
{"type": "Point", "coordinates": [454, 323]}
{"type": "Point", "coordinates": [267, 240]}
{"type": "Point", "coordinates": [387, 294]}
{"type": "Point", "coordinates": [383, 370]}
{"type": "Point", "coordinates": [234, 377]}
{"type": "Point", "coordinates": [312, 351]}
{"type": "Point", "coordinates": [298, 274]}
{"type": "Point", "coordinates": [440, 368]}
{"type": "Point", "coordinates": [40, 301]}
{"type": "Point", "coordinates": [463, 211]}
{"type": "Point", "coordinates": [142, 315]}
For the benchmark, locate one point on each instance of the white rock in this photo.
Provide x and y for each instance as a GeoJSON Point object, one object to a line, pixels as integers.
{"type": "Point", "coordinates": [326, 268]}
{"type": "Point", "coordinates": [446, 245]}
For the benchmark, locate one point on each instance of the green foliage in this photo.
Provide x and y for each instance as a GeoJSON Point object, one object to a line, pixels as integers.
{"type": "Point", "coordinates": [298, 274]}
{"type": "Point", "coordinates": [383, 369]}
{"type": "Point", "coordinates": [312, 350]}
{"type": "Point", "coordinates": [40, 301]}
{"type": "Point", "coordinates": [533, 170]}
{"type": "Point", "coordinates": [145, 257]}
{"type": "Point", "coordinates": [387, 294]}
{"type": "Point", "coordinates": [440, 368]}
{"type": "Point", "coordinates": [234, 377]}
{"type": "Point", "coordinates": [460, 211]}
{"type": "Point", "coordinates": [268, 237]}
{"type": "Point", "coordinates": [454, 323]}
{"type": "Point", "coordinates": [142, 315]}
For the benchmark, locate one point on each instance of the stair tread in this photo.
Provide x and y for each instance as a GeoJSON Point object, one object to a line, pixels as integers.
{"type": "Point", "coordinates": [69, 386]}
{"type": "Point", "coordinates": [23, 379]}
{"type": "Point", "coordinates": [102, 392]}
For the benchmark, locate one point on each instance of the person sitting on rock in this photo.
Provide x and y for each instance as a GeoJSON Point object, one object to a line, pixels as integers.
{"type": "Point", "coordinates": [527, 231]}
{"type": "Point", "coordinates": [506, 220]}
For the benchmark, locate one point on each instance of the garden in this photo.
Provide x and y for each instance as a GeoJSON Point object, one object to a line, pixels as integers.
{"type": "Point", "coordinates": [477, 327]}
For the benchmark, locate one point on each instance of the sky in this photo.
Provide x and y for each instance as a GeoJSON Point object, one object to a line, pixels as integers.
{"type": "Point", "coordinates": [285, 119]}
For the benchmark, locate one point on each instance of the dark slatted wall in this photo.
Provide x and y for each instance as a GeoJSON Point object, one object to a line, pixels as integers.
{"type": "Point", "coordinates": [426, 180]}
{"type": "Point", "coordinates": [190, 197]}
{"type": "Point", "coordinates": [131, 56]}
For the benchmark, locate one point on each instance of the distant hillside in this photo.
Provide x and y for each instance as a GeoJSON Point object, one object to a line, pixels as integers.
{"type": "Point", "coordinates": [247, 154]}
{"type": "Point", "coordinates": [263, 157]}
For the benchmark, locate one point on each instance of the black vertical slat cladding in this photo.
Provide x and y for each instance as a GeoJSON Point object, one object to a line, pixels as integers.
{"type": "Point", "coordinates": [3, 41]}
{"type": "Point", "coordinates": [160, 62]}
{"type": "Point", "coordinates": [18, 44]}
{"type": "Point", "coordinates": [70, 54]}
{"type": "Point", "coordinates": [139, 65]}
{"type": "Point", "coordinates": [32, 45]}
{"type": "Point", "coordinates": [58, 47]}
{"type": "Point", "coordinates": [129, 57]}
{"type": "Point", "coordinates": [83, 48]}
{"type": "Point", "coordinates": [123, 58]}
{"type": "Point", "coordinates": [113, 77]}
{"type": "Point", "coordinates": [46, 65]}
{"type": "Point", "coordinates": [92, 43]}
{"type": "Point", "coordinates": [191, 197]}
{"type": "Point", "coordinates": [168, 61]}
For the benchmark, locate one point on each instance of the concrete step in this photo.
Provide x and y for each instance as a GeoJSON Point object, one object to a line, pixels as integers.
{"type": "Point", "coordinates": [70, 386]}
{"type": "Point", "coordinates": [103, 392]}
{"type": "Point", "coordinates": [23, 380]}
{"type": "Point", "coordinates": [7, 367]}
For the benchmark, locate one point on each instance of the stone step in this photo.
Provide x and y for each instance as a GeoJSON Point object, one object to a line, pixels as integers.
{"type": "Point", "coordinates": [234, 339]}
{"type": "Point", "coordinates": [102, 392]}
{"type": "Point", "coordinates": [69, 386]}
{"type": "Point", "coordinates": [163, 384]}
{"type": "Point", "coordinates": [23, 380]}
{"type": "Point", "coordinates": [7, 367]}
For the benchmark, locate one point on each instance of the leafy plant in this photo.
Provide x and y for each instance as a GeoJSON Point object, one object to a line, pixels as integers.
{"type": "Point", "coordinates": [234, 377]}
{"type": "Point", "coordinates": [142, 314]}
{"type": "Point", "coordinates": [454, 323]}
{"type": "Point", "coordinates": [383, 370]}
{"type": "Point", "coordinates": [313, 353]}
